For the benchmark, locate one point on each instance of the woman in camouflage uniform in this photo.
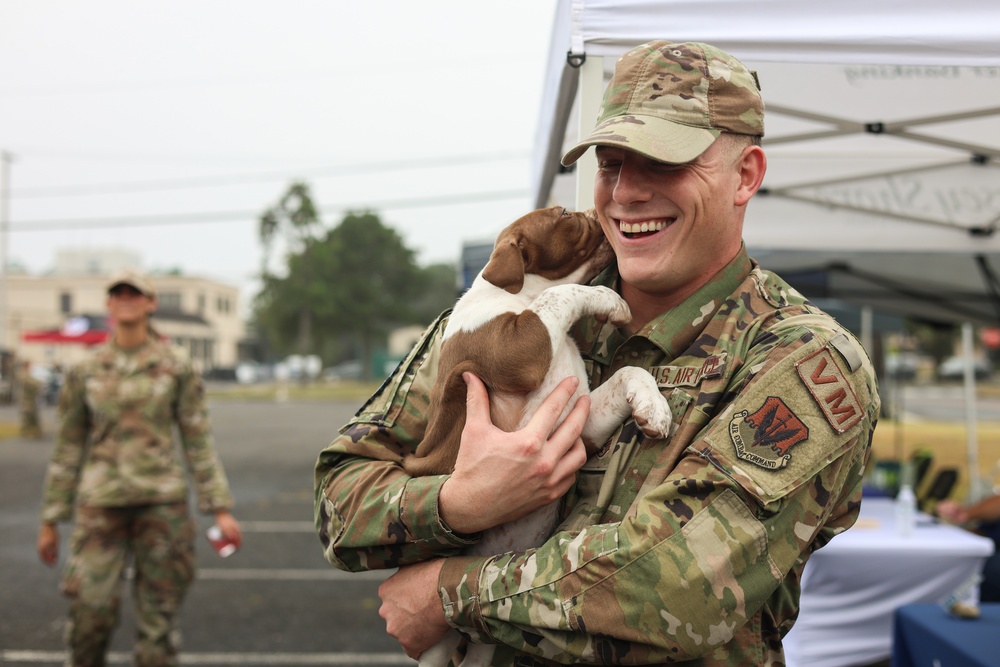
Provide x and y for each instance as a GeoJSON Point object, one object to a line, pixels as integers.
{"type": "Point", "coordinates": [116, 467]}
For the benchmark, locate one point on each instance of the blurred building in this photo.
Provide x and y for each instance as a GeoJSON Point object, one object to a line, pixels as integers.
{"type": "Point", "coordinates": [56, 318]}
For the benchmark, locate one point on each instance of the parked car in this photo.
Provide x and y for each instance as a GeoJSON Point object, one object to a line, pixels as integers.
{"type": "Point", "coordinates": [953, 368]}
{"type": "Point", "coordinates": [346, 370]}
{"type": "Point", "coordinates": [249, 372]}
{"type": "Point", "coordinates": [902, 366]}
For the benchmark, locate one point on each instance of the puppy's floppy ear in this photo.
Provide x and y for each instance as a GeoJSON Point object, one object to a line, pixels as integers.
{"type": "Point", "coordinates": [506, 267]}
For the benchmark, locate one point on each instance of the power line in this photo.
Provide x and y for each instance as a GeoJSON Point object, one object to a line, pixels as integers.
{"type": "Point", "coordinates": [104, 87]}
{"type": "Point", "coordinates": [235, 179]}
{"type": "Point", "coordinates": [106, 155]}
{"type": "Point", "coordinates": [227, 216]}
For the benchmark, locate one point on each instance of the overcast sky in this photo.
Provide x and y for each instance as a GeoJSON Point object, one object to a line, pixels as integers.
{"type": "Point", "coordinates": [166, 128]}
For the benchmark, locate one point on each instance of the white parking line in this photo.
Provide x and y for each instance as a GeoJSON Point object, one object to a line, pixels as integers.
{"type": "Point", "coordinates": [117, 657]}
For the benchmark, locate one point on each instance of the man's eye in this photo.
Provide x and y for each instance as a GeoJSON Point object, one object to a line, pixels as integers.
{"type": "Point", "coordinates": [666, 167]}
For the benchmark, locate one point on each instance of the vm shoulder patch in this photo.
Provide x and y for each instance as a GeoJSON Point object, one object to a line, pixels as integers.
{"type": "Point", "coordinates": [828, 385]}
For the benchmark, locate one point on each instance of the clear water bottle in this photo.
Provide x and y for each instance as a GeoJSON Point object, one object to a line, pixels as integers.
{"type": "Point", "coordinates": [906, 511]}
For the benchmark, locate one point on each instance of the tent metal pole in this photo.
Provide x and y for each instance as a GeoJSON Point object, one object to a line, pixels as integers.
{"type": "Point", "coordinates": [568, 83]}
{"type": "Point", "coordinates": [5, 160]}
{"type": "Point", "coordinates": [591, 93]}
{"type": "Point", "coordinates": [867, 327]}
{"type": "Point", "coordinates": [972, 446]}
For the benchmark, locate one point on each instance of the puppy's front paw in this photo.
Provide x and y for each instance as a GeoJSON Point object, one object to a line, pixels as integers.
{"type": "Point", "coordinates": [621, 315]}
{"type": "Point", "coordinates": [651, 413]}
{"type": "Point", "coordinates": [614, 310]}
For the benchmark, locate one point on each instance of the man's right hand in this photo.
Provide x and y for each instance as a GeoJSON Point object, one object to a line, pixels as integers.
{"type": "Point", "coordinates": [501, 476]}
{"type": "Point", "coordinates": [48, 543]}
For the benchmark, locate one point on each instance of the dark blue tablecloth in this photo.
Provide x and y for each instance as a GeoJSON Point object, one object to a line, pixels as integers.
{"type": "Point", "coordinates": [925, 635]}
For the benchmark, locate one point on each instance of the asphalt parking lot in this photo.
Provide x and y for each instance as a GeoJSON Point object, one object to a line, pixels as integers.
{"type": "Point", "coordinates": [275, 602]}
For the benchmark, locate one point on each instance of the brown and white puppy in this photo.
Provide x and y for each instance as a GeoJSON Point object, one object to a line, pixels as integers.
{"type": "Point", "coordinates": [511, 330]}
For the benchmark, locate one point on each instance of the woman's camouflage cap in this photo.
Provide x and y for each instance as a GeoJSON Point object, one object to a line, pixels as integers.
{"type": "Point", "coordinates": [669, 101]}
{"type": "Point", "coordinates": [133, 278]}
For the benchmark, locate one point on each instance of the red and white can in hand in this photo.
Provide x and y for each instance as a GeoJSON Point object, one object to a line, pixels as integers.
{"type": "Point", "coordinates": [222, 544]}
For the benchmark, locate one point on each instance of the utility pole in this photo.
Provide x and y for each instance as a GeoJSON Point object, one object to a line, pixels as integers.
{"type": "Point", "coordinates": [5, 160]}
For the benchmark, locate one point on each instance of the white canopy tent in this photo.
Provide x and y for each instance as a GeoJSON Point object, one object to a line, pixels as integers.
{"type": "Point", "coordinates": [882, 135]}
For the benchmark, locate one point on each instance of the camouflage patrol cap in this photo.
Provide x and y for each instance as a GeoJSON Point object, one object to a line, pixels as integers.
{"type": "Point", "coordinates": [669, 101]}
{"type": "Point", "coordinates": [133, 278]}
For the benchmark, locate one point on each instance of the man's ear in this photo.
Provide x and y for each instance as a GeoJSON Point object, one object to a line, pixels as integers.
{"type": "Point", "coordinates": [751, 165]}
{"type": "Point", "coordinates": [506, 267]}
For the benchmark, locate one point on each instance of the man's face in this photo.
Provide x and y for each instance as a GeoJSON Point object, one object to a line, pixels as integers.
{"type": "Point", "coordinates": [672, 226]}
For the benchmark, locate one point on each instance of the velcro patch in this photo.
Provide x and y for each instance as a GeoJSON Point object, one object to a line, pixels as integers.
{"type": "Point", "coordinates": [825, 380]}
{"type": "Point", "coordinates": [765, 436]}
{"type": "Point", "coordinates": [689, 376]}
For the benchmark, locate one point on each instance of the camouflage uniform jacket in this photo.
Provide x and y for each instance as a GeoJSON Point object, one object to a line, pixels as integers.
{"type": "Point", "coordinates": [115, 443]}
{"type": "Point", "coordinates": [684, 549]}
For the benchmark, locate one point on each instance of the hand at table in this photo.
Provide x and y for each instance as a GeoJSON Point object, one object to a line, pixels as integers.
{"type": "Point", "coordinates": [952, 511]}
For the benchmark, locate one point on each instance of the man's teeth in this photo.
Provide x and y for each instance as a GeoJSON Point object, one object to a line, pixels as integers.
{"type": "Point", "coordinates": [637, 227]}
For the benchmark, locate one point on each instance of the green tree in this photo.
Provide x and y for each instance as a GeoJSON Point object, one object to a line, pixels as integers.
{"type": "Point", "coordinates": [348, 289]}
{"type": "Point", "coordinates": [295, 216]}
{"type": "Point", "coordinates": [440, 292]}
{"type": "Point", "coordinates": [371, 279]}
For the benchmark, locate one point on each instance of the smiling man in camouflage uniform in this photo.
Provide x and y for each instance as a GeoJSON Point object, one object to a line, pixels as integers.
{"type": "Point", "coordinates": [686, 549]}
{"type": "Point", "coordinates": [115, 469]}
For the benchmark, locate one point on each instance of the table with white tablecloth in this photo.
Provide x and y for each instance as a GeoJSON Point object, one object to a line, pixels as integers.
{"type": "Point", "coordinates": [852, 586]}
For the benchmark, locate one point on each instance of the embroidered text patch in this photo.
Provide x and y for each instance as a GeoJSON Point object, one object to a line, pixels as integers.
{"type": "Point", "coordinates": [825, 380]}
{"type": "Point", "coordinates": [765, 436]}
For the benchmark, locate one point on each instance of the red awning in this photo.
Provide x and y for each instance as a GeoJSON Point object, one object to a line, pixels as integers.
{"type": "Point", "coordinates": [89, 337]}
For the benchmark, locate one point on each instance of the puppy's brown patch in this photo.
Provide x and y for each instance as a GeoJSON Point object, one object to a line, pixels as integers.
{"type": "Point", "coordinates": [511, 354]}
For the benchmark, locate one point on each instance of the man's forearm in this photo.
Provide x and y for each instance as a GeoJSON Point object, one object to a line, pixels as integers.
{"type": "Point", "coordinates": [371, 515]}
